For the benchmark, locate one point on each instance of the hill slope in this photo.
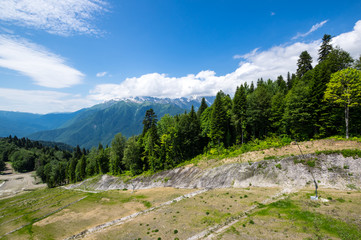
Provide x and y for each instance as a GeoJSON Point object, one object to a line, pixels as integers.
{"type": "Point", "coordinates": [100, 123]}
{"type": "Point", "coordinates": [22, 124]}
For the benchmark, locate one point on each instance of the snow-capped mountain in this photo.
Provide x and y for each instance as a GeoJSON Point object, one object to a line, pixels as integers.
{"type": "Point", "coordinates": [185, 103]}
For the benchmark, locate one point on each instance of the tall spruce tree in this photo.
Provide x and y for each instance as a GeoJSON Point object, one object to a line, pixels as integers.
{"type": "Point", "coordinates": [150, 120]}
{"type": "Point", "coordinates": [325, 48]}
{"type": "Point", "coordinates": [326, 118]}
{"type": "Point", "coordinates": [304, 64]}
{"type": "Point", "coordinates": [149, 141]}
{"type": "Point", "coordinates": [239, 113]}
{"type": "Point", "coordinates": [203, 107]}
{"type": "Point", "coordinates": [218, 120]}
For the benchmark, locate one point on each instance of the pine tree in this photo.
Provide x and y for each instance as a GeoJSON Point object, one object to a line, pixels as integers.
{"type": "Point", "coordinates": [218, 121]}
{"type": "Point", "coordinates": [239, 113]}
{"type": "Point", "coordinates": [325, 118]}
{"type": "Point", "coordinates": [149, 121]}
{"type": "Point", "coordinates": [289, 81]}
{"type": "Point", "coordinates": [251, 89]}
{"type": "Point", "coordinates": [297, 114]}
{"type": "Point", "coordinates": [259, 110]}
{"type": "Point", "coordinates": [149, 141]}
{"type": "Point", "coordinates": [303, 64]}
{"type": "Point", "coordinates": [80, 169]}
{"type": "Point", "coordinates": [203, 107]}
{"type": "Point", "coordinates": [325, 48]}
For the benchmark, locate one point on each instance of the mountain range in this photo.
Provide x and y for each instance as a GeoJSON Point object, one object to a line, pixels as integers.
{"type": "Point", "coordinates": [98, 124]}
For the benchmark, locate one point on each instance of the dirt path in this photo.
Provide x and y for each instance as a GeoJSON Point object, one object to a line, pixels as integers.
{"type": "Point", "coordinates": [12, 183]}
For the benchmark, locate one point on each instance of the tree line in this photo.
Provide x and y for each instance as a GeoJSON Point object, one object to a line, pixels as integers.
{"type": "Point", "coordinates": [314, 102]}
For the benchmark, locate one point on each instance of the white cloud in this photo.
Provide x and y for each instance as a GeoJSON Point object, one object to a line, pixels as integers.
{"type": "Point", "coordinates": [44, 67]}
{"type": "Point", "coordinates": [266, 64]}
{"type": "Point", "coordinates": [40, 101]}
{"type": "Point", "coordinates": [101, 74]}
{"type": "Point", "coordinates": [256, 64]}
{"type": "Point", "coordinates": [350, 41]}
{"type": "Point", "coordinates": [313, 28]}
{"type": "Point", "coordinates": [61, 17]}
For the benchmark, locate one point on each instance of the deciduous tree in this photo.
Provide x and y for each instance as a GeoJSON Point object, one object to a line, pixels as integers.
{"type": "Point", "coordinates": [344, 89]}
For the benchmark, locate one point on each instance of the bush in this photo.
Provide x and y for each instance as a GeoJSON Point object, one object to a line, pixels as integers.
{"type": "Point", "coordinates": [2, 165]}
{"type": "Point", "coordinates": [23, 160]}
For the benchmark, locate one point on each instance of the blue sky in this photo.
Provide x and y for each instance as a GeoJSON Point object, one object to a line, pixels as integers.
{"type": "Point", "coordinates": [60, 56]}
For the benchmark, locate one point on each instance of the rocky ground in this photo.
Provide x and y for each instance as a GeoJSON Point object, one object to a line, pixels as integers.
{"type": "Point", "coordinates": [12, 183]}
{"type": "Point", "coordinates": [330, 171]}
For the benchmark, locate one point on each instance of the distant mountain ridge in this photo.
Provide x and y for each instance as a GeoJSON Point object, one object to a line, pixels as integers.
{"type": "Point", "coordinates": [101, 122]}
{"type": "Point", "coordinates": [22, 124]}
{"type": "Point", "coordinates": [183, 102]}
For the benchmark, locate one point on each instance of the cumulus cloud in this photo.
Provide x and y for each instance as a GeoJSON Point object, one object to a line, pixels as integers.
{"type": "Point", "coordinates": [350, 41]}
{"type": "Point", "coordinates": [160, 85]}
{"type": "Point", "coordinates": [42, 102]}
{"type": "Point", "coordinates": [265, 64]}
{"type": "Point", "coordinates": [101, 74]}
{"type": "Point", "coordinates": [313, 28]}
{"type": "Point", "coordinates": [45, 68]}
{"type": "Point", "coordinates": [63, 17]}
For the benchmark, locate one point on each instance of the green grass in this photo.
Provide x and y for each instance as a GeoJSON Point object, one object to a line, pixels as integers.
{"type": "Point", "coordinates": [319, 222]}
{"type": "Point", "coordinates": [234, 151]}
{"type": "Point", "coordinates": [355, 153]}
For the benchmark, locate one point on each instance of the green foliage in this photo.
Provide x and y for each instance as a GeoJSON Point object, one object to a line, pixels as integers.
{"type": "Point", "coordinates": [297, 113]}
{"type": "Point", "coordinates": [218, 120]}
{"type": "Point", "coordinates": [257, 118]}
{"type": "Point", "coordinates": [239, 113]}
{"type": "Point", "coordinates": [201, 108]}
{"type": "Point", "coordinates": [234, 151]}
{"type": "Point", "coordinates": [311, 163]}
{"type": "Point", "coordinates": [101, 122]}
{"type": "Point", "coordinates": [357, 64]}
{"type": "Point", "coordinates": [344, 89]}
{"type": "Point", "coordinates": [355, 153]}
{"type": "Point", "coordinates": [117, 154]}
{"type": "Point", "coordinates": [132, 156]}
{"type": "Point", "coordinates": [2, 165]}
{"type": "Point", "coordinates": [23, 160]}
{"type": "Point", "coordinates": [259, 109]}
{"type": "Point", "coordinates": [304, 64]}
{"type": "Point", "coordinates": [325, 48]}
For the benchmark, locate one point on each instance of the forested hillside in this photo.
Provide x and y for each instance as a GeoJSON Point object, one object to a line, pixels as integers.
{"type": "Point", "coordinates": [101, 122]}
{"type": "Point", "coordinates": [23, 124]}
{"type": "Point", "coordinates": [312, 103]}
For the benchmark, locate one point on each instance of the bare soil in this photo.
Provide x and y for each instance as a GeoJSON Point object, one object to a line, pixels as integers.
{"type": "Point", "coordinates": [289, 150]}
{"type": "Point", "coordinates": [12, 183]}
